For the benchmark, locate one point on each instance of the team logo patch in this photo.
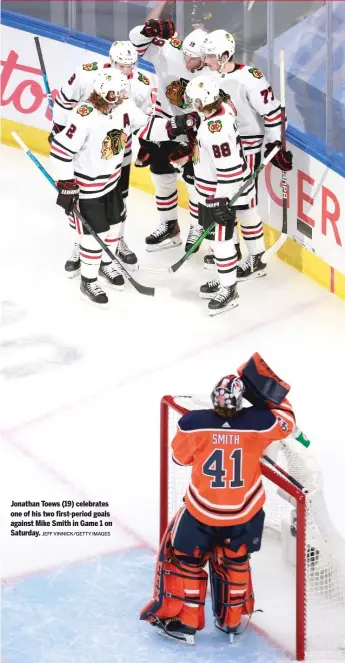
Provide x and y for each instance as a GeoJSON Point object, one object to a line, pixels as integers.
{"type": "Point", "coordinates": [143, 79]}
{"type": "Point", "coordinates": [256, 72]}
{"type": "Point", "coordinates": [214, 126]}
{"type": "Point", "coordinates": [92, 66]}
{"type": "Point", "coordinates": [113, 143]}
{"type": "Point", "coordinates": [84, 110]}
{"type": "Point", "coordinates": [175, 92]}
{"type": "Point", "coordinates": [176, 43]}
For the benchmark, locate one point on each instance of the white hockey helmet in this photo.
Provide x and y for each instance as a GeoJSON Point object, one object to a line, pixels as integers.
{"type": "Point", "coordinates": [112, 80]}
{"type": "Point", "coordinates": [201, 91]}
{"type": "Point", "coordinates": [217, 43]}
{"type": "Point", "coordinates": [192, 44]}
{"type": "Point", "coordinates": [123, 52]}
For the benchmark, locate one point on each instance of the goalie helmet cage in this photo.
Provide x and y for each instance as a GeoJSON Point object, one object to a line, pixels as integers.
{"type": "Point", "coordinates": [311, 586]}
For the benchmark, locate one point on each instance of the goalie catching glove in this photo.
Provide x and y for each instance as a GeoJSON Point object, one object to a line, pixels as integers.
{"type": "Point", "coordinates": [283, 158]}
{"type": "Point", "coordinates": [68, 194]}
{"type": "Point", "coordinates": [263, 386]}
{"type": "Point", "coordinates": [181, 124]}
{"type": "Point", "coordinates": [164, 28]}
{"type": "Point", "coordinates": [220, 211]}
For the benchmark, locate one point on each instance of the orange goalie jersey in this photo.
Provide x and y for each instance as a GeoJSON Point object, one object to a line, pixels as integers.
{"type": "Point", "coordinates": [226, 483]}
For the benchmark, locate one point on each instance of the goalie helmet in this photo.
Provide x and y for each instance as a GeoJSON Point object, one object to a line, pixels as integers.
{"type": "Point", "coordinates": [112, 80]}
{"type": "Point", "coordinates": [228, 393]}
{"type": "Point", "coordinates": [217, 43]}
{"type": "Point", "coordinates": [123, 52]}
{"type": "Point", "coordinates": [201, 91]}
{"type": "Point", "coordinates": [192, 45]}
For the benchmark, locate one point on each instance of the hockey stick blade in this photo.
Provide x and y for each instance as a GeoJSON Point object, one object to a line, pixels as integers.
{"type": "Point", "coordinates": [239, 193]}
{"type": "Point", "coordinates": [269, 253]}
{"type": "Point", "coordinates": [142, 289]}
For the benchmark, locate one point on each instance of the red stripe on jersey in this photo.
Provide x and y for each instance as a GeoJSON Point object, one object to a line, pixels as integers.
{"type": "Point", "coordinates": [57, 149]}
{"type": "Point", "coordinates": [168, 202]}
{"type": "Point", "coordinates": [206, 188]}
{"type": "Point", "coordinates": [257, 231]}
{"type": "Point", "coordinates": [221, 265]}
{"type": "Point", "coordinates": [273, 119]}
{"type": "Point", "coordinates": [251, 142]}
{"type": "Point", "coordinates": [101, 183]}
{"type": "Point", "coordinates": [227, 175]}
{"type": "Point", "coordinates": [89, 256]}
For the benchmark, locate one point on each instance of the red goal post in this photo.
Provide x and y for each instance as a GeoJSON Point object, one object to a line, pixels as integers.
{"type": "Point", "coordinates": [168, 405]}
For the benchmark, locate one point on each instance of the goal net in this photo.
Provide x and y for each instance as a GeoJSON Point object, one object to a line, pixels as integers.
{"type": "Point", "coordinates": [299, 574]}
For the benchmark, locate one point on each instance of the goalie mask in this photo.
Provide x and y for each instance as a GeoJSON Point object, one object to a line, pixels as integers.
{"type": "Point", "coordinates": [112, 81]}
{"type": "Point", "coordinates": [228, 393]}
{"type": "Point", "coordinates": [218, 43]}
{"type": "Point", "coordinates": [201, 91]}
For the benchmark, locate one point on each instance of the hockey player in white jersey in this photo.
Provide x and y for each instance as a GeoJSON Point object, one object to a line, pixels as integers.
{"type": "Point", "coordinates": [176, 63]}
{"type": "Point", "coordinates": [258, 116]}
{"type": "Point", "coordinates": [220, 169]}
{"type": "Point", "coordinates": [123, 57]}
{"type": "Point", "coordinates": [87, 158]}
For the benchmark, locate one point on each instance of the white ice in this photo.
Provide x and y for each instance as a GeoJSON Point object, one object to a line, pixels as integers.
{"type": "Point", "coordinates": [80, 387]}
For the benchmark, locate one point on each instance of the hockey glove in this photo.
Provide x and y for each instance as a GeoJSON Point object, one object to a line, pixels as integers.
{"type": "Point", "coordinates": [181, 155]}
{"type": "Point", "coordinates": [220, 211]}
{"type": "Point", "coordinates": [283, 158]}
{"type": "Point", "coordinates": [68, 194]}
{"type": "Point", "coordinates": [144, 155]}
{"type": "Point", "coordinates": [163, 28]}
{"type": "Point", "coordinates": [55, 130]}
{"type": "Point", "coordinates": [180, 124]}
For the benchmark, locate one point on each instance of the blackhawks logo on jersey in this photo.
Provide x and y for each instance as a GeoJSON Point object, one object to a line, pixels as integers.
{"type": "Point", "coordinates": [214, 126]}
{"type": "Point", "coordinates": [176, 43]}
{"type": "Point", "coordinates": [143, 79]}
{"type": "Point", "coordinates": [255, 72]}
{"type": "Point", "coordinates": [84, 110]}
{"type": "Point", "coordinates": [113, 143]}
{"type": "Point", "coordinates": [175, 92]}
{"type": "Point", "coordinates": [92, 66]}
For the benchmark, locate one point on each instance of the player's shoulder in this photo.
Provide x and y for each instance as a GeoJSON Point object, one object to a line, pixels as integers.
{"type": "Point", "coordinates": [90, 69]}
{"type": "Point", "coordinates": [141, 79]}
{"type": "Point", "coordinates": [255, 419]}
{"type": "Point", "coordinates": [249, 74]}
{"type": "Point", "coordinates": [85, 113]}
{"type": "Point", "coordinates": [214, 127]}
{"type": "Point", "coordinates": [197, 420]}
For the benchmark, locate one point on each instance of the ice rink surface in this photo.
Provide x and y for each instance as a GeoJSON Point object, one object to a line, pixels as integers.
{"type": "Point", "coordinates": [80, 391]}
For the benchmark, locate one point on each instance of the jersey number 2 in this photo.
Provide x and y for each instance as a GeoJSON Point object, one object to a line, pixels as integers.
{"type": "Point", "coordinates": [214, 467]}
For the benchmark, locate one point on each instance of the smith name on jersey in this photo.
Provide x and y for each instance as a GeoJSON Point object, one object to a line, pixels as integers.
{"type": "Point", "coordinates": [226, 484]}
{"type": "Point", "coordinates": [258, 111]}
{"type": "Point", "coordinates": [172, 75]}
{"type": "Point", "coordinates": [91, 148]}
{"type": "Point", "coordinates": [220, 168]}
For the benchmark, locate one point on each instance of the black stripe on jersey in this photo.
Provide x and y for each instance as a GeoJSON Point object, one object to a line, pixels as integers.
{"type": "Point", "coordinates": [232, 181]}
{"type": "Point", "coordinates": [89, 250]}
{"type": "Point", "coordinates": [251, 239]}
{"type": "Point", "coordinates": [273, 111]}
{"type": "Point", "coordinates": [98, 177]}
{"type": "Point", "coordinates": [251, 136]}
{"type": "Point", "coordinates": [146, 43]}
{"type": "Point", "coordinates": [252, 147]}
{"type": "Point", "coordinates": [275, 124]}
{"type": "Point", "coordinates": [207, 194]}
{"type": "Point", "coordinates": [199, 179]}
{"type": "Point", "coordinates": [159, 110]}
{"type": "Point", "coordinates": [227, 170]}
{"type": "Point", "coordinates": [58, 103]}
{"type": "Point", "coordinates": [70, 101]}
{"type": "Point", "coordinates": [63, 146]}
{"type": "Point", "coordinates": [61, 158]}
{"type": "Point", "coordinates": [102, 190]}
{"type": "Point", "coordinates": [172, 195]}
{"type": "Point", "coordinates": [149, 131]}
{"type": "Point", "coordinates": [227, 511]}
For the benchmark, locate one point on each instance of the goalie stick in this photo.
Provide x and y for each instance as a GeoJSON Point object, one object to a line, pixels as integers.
{"type": "Point", "coordinates": [173, 268]}
{"type": "Point", "coordinates": [142, 289]}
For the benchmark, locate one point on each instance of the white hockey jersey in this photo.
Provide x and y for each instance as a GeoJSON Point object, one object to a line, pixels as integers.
{"type": "Point", "coordinates": [258, 111]}
{"type": "Point", "coordinates": [220, 167]}
{"type": "Point", "coordinates": [172, 75]}
{"type": "Point", "coordinates": [80, 85]}
{"type": "Point", "coordinates": [91, 148]}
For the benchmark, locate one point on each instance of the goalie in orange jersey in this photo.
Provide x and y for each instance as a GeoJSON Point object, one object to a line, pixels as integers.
{"type": "Point", "coordinates": [222, 518]}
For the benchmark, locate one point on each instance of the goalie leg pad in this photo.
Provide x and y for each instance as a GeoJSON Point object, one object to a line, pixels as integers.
{"type": "Point", "coordinates": [179, 588]}
{"type": "Point", "coordinates": [231, 586]}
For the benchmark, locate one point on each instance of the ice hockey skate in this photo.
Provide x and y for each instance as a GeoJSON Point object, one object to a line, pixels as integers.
{"type": "Point", "coordinates": [112, 275]}
{"type": "Point", "coordinates": [193, 235]}
{"type": "Point", "coordinates": [251, 268]}
{"type": "Point", "coordinates": [167, 236]}
{"type": "Point", "coordinates": [127, 256]}
{"type": "Point", "coordinates": [225, 299]}
{"type": "Point", "coordinates": [174, 629]}
{"type": "Point", "coordinates": [72, 266]}
{"type": "Point", "coordinates": [91, 290]}
{"type": "Point", "coordinates": [209, 290]}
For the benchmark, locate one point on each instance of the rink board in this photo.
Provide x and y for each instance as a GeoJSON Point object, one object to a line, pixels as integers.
{"type": "Point", "coordinates": [88, 612]}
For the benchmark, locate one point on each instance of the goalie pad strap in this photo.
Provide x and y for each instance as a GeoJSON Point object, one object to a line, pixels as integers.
{"type": "Point", "coordinates": [232, 594]}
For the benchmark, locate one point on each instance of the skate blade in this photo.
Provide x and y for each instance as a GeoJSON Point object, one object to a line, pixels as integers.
{"type": "Point", "coordinates": [207, 295]}
{"type": "Point", "coordinates": [72, 275]}
{"type": "Point", "coordinates": [254, 275]}
{"type": "Point", "coordinates": [226, 308]}
{"type": "Point", "coordinates": [160, 247]}
{"type": "Point", "coordinates": [185, 640]}
{"type": "Point", "coordinates": [209, 267]}
{"type": "Point", "coordinates": [155, 270]}
{"type": "Point", "coordinates": [131, 268]}
{"type": "Point", "coordinates": [87, 299]}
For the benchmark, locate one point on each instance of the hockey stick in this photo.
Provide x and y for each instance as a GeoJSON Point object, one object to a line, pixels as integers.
{"type": "Point", "coordinates": [143, 289]}
{"type": "Point", "coordinates": [283, 237]}
{"type": "Point", "coordinates": [173, 268]}
{"type": "Point", "coordinates": [44, 73]}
